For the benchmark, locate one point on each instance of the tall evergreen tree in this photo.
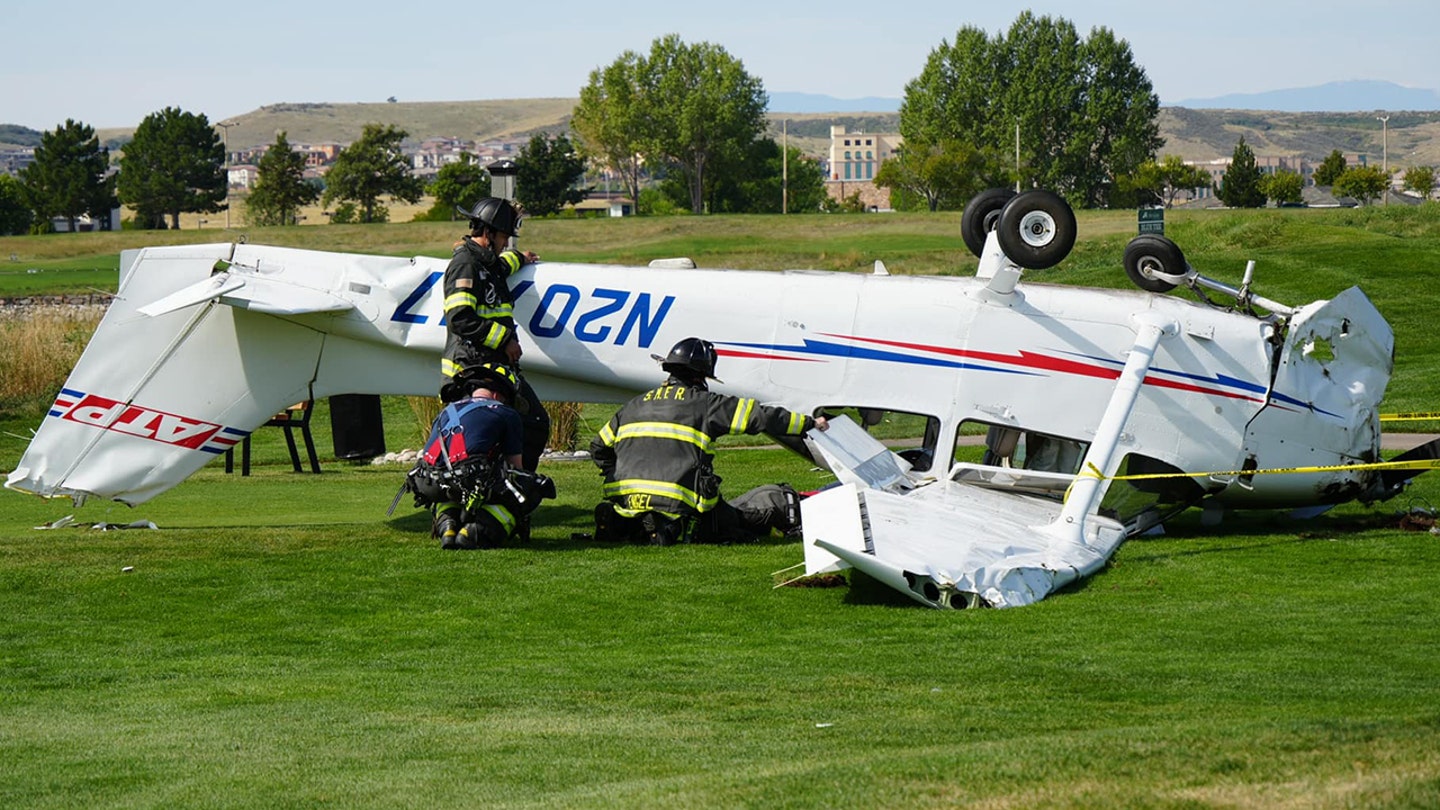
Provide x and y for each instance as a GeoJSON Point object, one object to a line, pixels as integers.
{"type": "Point", "coordinates": [280, 186]}
{"type": "Point", "coordinates": [68, 177]}
{"type": "Point", "coordinates": [1240, 187]}
{"type": "Point", "coordinates": [370, 168]}
{"type": "Point", "coordinates": [174, 164]}
{"type": "Point", "coordinates": [1330, 169]}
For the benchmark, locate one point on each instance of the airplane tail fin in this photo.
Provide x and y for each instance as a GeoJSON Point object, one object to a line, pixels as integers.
{"type": "Point", "coordinates": [195, 353]}
{"type": "Point", "coordinates": [155, 398]}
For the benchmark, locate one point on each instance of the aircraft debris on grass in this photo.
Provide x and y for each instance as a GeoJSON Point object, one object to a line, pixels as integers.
{"type": "Point", "coordinates": [1100, 409]}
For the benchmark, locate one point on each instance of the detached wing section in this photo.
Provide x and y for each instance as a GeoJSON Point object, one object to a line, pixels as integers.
{"type": "Point", "coordinates": [984, 536]}
{"type": "Point", "coordinates": [979, 538]}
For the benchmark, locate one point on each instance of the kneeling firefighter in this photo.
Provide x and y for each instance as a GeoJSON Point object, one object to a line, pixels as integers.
{"type": "Point", "coordinates": [657, 456]}
{"type": "Point", "coordinates": [470, 474]}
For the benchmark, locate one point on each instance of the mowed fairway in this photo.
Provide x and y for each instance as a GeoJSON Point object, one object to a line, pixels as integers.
{"type": "Point", "coordinates": [280, 642]}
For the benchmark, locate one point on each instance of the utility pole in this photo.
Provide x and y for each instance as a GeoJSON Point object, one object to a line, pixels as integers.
{"type": "Point", "coordinates": [784, 165]}
{"type": "Point", "coordinates": [225, 137]}
{"type": "Point", "coordinates": [1017, 155]}
{"type": "Point", "coordinates": [1385, 154]}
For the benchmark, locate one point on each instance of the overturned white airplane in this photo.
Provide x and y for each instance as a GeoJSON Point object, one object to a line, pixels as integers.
{"type": "Point", "coordinates": [1070, 386]}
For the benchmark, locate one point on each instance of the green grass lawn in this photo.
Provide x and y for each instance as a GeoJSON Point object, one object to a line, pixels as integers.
{"type": "Point", "coordinates": [280, 642]}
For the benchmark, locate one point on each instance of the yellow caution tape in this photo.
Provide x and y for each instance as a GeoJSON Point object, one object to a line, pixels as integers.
{"type": "Point", "coordinates": [1417, 416]}
{"type": "Point", "coordinates": [1415, 464]}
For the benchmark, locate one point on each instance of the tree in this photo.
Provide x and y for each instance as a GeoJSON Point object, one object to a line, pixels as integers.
{"type": "Point", "coordinates": [1282, 187]}
{"type": "Point", "coordinates": [458, 184]}
{"type": "Point", "coordinates": [1166, 179]}
{"type": "Point", "coordinates": [175, 163]}
{"type": "Point", "coordinates": [371, 167]}
{"type": "Point", "coordinates": [1364, 183]}
{"type": "Point", "coordinates": [1421, 180]}
{"type": "Point", "coordinates": [1086, 113]}
{"type": "Point", "coordinates": [1240, 187]}
{"type": "Point", "coordinates": [803, 181]}
{"type": "Point", "coordinates": [611, 121]}
{"type": "Point", "coordinates": [280, 186]}
{"type": "Point", "coordinates": [767, 181]}
{"type": "Point", "coordinates": [68, 177]}
{"type": "Point", "coordinates": [1330, 169]}
{"type": "Point", "coordinates": [703, 109]}
{"type": "Point", "coordinates": [15, 214]}
{"type": "Point", "coordinates": [942, 175]}
{"type": "Point", "coordinates": [547, 170]}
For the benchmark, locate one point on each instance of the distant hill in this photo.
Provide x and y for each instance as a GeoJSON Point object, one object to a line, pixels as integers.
{"type": "Point", "coordinates": [1413, 137]}
{"type": "Point", "coordinates": [16, 135]}
{"type": "Point", "coordinates": [1192, 133]}
{"type": "Point", "coordinates": [781, 103]}
{"type": "Point", "coordinates": [1349, 96]}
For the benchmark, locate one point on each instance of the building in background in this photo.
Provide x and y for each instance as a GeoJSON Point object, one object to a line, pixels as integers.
{"type": "Point", "coordinates": [853, 160]}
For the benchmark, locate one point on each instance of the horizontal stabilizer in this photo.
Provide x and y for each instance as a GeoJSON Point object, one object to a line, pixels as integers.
{"type": "Point", "coordinates": [197, 293]}
{"type": "Point", "coordinates": [250, 291]}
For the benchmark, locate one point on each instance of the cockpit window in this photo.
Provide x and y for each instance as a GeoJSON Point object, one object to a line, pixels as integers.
{"type": "Point", "coordinates": [913, 436]}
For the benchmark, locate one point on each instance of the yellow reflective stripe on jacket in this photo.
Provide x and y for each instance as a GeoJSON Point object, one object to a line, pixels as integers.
{"type": "Point", "coordinates": [665, 430]}
{"type": "Point", "coordinates": [449, 367]}
{"type": "Point", "coordinates": [797, 424]}
{"type": "Point", "coordinates": [497, 311]}
{"type": "Point", "coordinates": [743, 409]}
{"type": "Point", "coordinates": [496, 336]}
{"type": "Point", "coordinates": [663, 489]}
{"type": "Point", "coordinates": [607, 436]}
{"type": "Point", "coordinates": [461, 298]}
{"type": "Point", "coordinates": [512, 259]}
{"type": "Point", "coordinates": [465, 299]}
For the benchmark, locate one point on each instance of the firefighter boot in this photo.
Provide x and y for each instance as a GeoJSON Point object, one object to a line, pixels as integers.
{"type": "Point", "coordinates": [447, 528]}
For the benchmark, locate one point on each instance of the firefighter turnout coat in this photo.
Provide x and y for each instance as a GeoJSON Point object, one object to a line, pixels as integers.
{"type": "Point", "coordinates": [657, 451]}
{"type": "Point", "coordinates": [479, 311]}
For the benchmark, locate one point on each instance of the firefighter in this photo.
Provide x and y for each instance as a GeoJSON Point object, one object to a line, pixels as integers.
{"type": "Point", "coordinates": [479, 311]}
{"type": "Point", "coordinates": [657, 452]}
{"type": "Point", "coordinates": [469, 473]}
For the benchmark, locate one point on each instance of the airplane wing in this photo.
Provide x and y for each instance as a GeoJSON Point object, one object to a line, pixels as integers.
{"type": "Point", "coordinates": [981, 537]}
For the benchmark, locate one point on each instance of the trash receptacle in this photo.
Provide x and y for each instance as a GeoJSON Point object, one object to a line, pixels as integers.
{"type": "Point", "coordinates": [357, 428]}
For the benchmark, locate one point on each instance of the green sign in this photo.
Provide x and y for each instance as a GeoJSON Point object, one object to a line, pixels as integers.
{"type": "Point", "coordinates": [1152, 220]}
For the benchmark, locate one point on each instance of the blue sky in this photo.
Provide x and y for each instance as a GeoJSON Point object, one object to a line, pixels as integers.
{"type": "Point", "coordinates": [110, 64]}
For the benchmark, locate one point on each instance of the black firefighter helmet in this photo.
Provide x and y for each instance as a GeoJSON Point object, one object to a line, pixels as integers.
{"type": "Point", "coordinates": [494, 376]}
{"type": "Point", "coordinates": [495, 213]}
{"type": "Point", "coordinates": [690, 358]}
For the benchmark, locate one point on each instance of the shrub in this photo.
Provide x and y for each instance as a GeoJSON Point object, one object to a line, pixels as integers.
{"type": "Point", "coordinates": [41, 345]}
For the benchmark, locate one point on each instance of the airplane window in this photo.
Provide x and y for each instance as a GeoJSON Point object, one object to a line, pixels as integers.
{"type": "Point", "coordinates": [1005, 446]}
{"type": "Point", "coordinates": [913, 436]}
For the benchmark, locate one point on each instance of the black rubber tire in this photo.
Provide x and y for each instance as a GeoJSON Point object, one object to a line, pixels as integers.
{"type": "Point", "coordinates": [981, 216]}
{"type": "Point", "coordinates": [1151, 253]}
{"type": "Point", "coordinates": [1037, 229]}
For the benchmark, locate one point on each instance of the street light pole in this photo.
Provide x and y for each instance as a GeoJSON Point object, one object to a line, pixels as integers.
{"type": "Point", "coordinates": [1017, 155]}
{"type": "Point", "coordinates": [1385, 154]}
{"type": "Point", "coordinates": [225, 137]}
